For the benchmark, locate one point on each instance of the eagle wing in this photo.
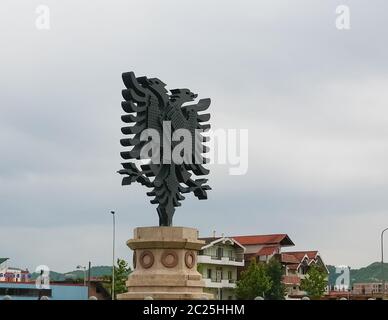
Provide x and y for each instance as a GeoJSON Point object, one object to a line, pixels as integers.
{"type": "Point", "coordinates": [141, 106]}
{"type": "Point", "coordinates": [142, 112]}
{"type": "Point", "coordinates": [197, 121]}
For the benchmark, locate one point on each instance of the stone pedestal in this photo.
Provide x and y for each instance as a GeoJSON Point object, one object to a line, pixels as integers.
{"type": "Point", "coordinates": [165, 265]}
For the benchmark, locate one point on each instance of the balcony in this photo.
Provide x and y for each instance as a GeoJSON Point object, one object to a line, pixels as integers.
{"type": "Point", "coordinates": [227, 257]}
{"type": "Point", "coordinates": [221, 260]}
{"type": "Point", "coordinates": [214, 279]}
{"type": "Point", "coordinates": [219, 283]}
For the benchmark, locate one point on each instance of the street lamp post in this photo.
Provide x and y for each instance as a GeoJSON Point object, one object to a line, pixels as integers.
{"type": "Point", "coordinates": [84, 268]}
{"type": "Point", "coordinates": [382, 263]}
{"type": "Point", "coordinates": [113, 254]}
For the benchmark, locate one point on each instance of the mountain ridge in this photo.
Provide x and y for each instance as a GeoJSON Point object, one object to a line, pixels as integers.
{"type": "Point", "coordinates": [96, 271]}
{"type": "Point", "coordinates": [370, 273]}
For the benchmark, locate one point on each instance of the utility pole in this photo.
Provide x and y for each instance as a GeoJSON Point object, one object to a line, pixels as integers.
{"type": "Point", "coordinates": [382, 263]}
{"type": "Point", "coordinates": [113, 255]}
{"type": "Point", "coordinates": [89, 275]}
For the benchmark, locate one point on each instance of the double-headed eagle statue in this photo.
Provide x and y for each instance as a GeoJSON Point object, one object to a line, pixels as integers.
{"type": "Point", "coordinates": [148, 105]}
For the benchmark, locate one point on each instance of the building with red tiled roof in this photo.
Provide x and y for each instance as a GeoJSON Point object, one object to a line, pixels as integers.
{"type": "Point", "coordinates": [301, 263]}
{"type": "Point", "coordinates": [306, 258]}
{"type": "Point", "coordinates": [301, 254]}
{"type": "Point", "coordinates": [265, 239]}
{"type": "Point", "coordinates": [262, 248]}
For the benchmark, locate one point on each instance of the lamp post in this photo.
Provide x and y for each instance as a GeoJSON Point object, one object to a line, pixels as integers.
{"type": "Point", "coordinates": [113, 254]}
{"type": "Point", "coordinates": [382, 263]}
{"type": "Point", "coordinates": [84, 268]}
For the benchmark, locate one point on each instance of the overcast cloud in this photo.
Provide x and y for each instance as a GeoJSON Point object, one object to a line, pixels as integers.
{"type": "Point", "coordinates": [313, 98]}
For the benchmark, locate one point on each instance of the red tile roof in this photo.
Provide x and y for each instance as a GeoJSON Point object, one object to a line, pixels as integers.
{"type": "Point", "coordinates": [293, 266]}
{"type": "Point", "coordinates": [262, 239]}
{"type": "Point", "coordinates": [289, 258]}
{"type": "Point", "coordinates": [295, 280]}
{"type": "Point", "coordinates": [268, 251]}
{"type": "Point", "coordinates": [300, 254]}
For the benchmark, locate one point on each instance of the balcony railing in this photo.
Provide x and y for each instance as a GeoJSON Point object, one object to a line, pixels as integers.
{"type": "Point", "coordinates": [218, 280]}
{"type": "Point", "coordinates": [230, 258]}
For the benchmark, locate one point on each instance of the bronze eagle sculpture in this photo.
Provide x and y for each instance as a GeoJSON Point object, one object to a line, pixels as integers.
{"type": "Point", "coordinates": [149, 106]}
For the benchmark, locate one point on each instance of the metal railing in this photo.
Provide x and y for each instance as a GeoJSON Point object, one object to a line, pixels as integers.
{"type": "Point", "coordinates": [218, 280]}
{"type": "Point", "coordinates": [229, 258]}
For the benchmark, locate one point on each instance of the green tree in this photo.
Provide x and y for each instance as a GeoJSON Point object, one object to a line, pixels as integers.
{"type": "Point", "coordinates": [121, 275]}
{"type": "Point", "coordinates": [200, 268]}
{"type": "Point", "coordinates": [315, 282]}
{"type": "Point", "coordinates": [254, 282]}
{"type": "Point", "coordinates": [274, 271]}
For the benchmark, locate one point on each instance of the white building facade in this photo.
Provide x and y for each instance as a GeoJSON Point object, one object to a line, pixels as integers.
{"type": "Point", "coordinates": [10, 274]}
{"type": "Point", "coordinates": [218, 262]}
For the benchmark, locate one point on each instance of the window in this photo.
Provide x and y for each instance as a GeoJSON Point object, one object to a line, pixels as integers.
{"type": "Point", "coordinates": [304, 267]}
{"type": "Point", "coordinates": [209, 273]}
{"type": "Point", "coordinates": [230, 275]}
{"type": "Point", "coordinates": [218, 274]}
{"type": "Point", "coordinates": [220, 252]}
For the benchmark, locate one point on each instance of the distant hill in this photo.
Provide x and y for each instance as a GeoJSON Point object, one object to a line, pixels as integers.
{"type": "Point", "coordinates": [97, 271]}
{"type": "Point", "coordinates": [371, 273]}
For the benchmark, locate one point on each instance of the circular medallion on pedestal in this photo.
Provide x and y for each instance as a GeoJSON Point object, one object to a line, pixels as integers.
{"type": "Point", "coordinates": [169, 259]}
{"type": "Point", "coordinates": [146, 259]}
{"type": "Point", "coordinates": [190, 259]}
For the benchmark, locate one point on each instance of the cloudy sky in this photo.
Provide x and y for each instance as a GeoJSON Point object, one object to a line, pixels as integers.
{"type": "Point", "coordinates": [314, 99]}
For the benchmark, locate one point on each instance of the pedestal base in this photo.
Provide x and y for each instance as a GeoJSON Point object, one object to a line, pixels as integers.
{"type": "Point", "coordinates": [165, 265]}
